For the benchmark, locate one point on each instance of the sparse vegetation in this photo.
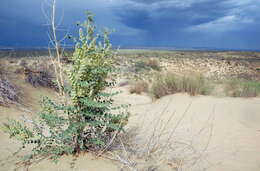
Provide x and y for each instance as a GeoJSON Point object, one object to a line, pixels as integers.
{"type": "Point", "coordinates": [170, 83]}
{"type": "Point", "coordinates": [145, 150]}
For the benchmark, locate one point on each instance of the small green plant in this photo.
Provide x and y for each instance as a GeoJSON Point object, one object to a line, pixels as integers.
{"type": "Point", "coordinates": [88, 120]}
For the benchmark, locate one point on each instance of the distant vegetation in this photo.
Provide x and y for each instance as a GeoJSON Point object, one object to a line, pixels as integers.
{"type": "Point", "coordinates": [20, 53]}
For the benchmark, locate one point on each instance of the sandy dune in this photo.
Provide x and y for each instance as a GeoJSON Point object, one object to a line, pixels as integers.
{"type": "Point", "coordinates": [225, 132]}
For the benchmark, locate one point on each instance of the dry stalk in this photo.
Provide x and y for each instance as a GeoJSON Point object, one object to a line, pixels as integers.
{"type": "Point", "coordinates": [162, 149]}
{"type": "Point", "coordinates": [56, 44]}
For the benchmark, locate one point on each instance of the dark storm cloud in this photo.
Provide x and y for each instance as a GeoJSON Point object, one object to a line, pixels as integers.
{"type": "Point", "coordinates": [182, 23]}
{"type": "Point", "coordinates": [194, 22]}
{"type": "Point", "coordinates": [23, 23]}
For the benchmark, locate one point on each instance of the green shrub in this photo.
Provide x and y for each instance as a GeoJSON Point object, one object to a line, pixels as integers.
{"type": "Point", "coordinates": [242, 88]}
{"type": "Point", "coordinates": [89, 120]}
{"type": "Point", "coordinates": [170, 83]}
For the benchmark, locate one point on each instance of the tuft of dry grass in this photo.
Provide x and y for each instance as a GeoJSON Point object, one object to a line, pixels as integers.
{"type": "Point", "coordinates": [138, 87]}
{"type": "Point", "coordinates": [194, 84]}
{"type": "Point", "coordinates": [170, 83]}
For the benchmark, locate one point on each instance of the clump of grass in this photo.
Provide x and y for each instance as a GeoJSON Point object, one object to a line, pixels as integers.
{"type": "Point", "coordinates": [242, 88]}
{"type": "Point", "coordinates": [194, 84]}
{"type": "Point", "coordinates": [170, 83]}
{"type": "Point", "coordinates": [138, 87]}
{"type": "Point", "coordinates": [163, 84]}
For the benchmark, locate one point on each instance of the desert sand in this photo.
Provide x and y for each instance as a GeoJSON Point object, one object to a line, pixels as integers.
{"type": "Point", "coordinates": [224, 133]}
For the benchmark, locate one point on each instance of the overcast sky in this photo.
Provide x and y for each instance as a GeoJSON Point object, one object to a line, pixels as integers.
{"type": "Point", "coordinates": [143, 23]}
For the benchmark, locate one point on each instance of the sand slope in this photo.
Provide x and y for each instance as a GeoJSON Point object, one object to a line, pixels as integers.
{"type": "Point", "coordinates": [224, 131]}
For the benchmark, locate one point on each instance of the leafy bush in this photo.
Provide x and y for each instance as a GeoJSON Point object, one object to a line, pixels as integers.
{"type": "Point", "coordinates": [170, 83]}
{"type": "Point", "coordinates": [89, 120]}
{"type": "Point", "coordinates": [138, 87]}
{"type": "Point", "coordinates": [242, 88]}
